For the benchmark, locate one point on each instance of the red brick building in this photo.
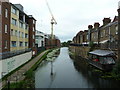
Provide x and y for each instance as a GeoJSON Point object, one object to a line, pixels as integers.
{"type": "Point", "coordinates": [5, 10]}
{"type": "Point", "coordinates": [32, 30]}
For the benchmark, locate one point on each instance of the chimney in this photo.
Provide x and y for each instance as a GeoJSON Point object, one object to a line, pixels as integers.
{"type": "Point", "coordinates": [115, 18]}
{"type": "Point", "coordinates": [96, 25]}
{"type": "Point", "coordinates": [90, 27]}
{"type": "Point", "coordinates": [106, 21]}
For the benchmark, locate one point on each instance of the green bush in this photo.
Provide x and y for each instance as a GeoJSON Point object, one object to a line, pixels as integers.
{"type": "Point", "coordinates": [116, 71]}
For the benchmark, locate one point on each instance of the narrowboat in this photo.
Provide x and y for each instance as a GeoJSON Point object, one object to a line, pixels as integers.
{"type": "Point", "coordinates": [102, 59]}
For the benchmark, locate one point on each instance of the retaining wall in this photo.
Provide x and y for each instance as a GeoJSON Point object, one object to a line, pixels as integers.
{"type": "Point", "coordinates": [9, 64]}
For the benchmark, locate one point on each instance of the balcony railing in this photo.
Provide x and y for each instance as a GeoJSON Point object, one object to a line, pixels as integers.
{"type": "Point", "coordinates": [5, 55]}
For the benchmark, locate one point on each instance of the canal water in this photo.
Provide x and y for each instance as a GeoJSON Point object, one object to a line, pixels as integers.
{"type": "Point", "coordinates": [67, 73]}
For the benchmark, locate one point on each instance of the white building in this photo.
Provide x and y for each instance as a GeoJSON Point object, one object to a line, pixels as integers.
{"type": "Point", "coordinates": [40, 39]}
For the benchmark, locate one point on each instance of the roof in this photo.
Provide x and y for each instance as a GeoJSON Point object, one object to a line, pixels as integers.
{"type": "Point", "coordinates": [103, 53]}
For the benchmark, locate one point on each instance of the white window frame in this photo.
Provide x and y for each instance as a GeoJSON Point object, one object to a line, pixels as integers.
{"type": "Point", "coordinates": [0, 10]}
{"type": "Point", "coordinates": [13, 11]}
{"type": "Point", "coordinates": [33, 29]}
{"type": "Point", "coordinates": [33, 36]}
{"type": "Point", "coordinates": [6, 28]}
{"type": "Point", "coordinates": [6, 13]}
{"type": "Point", "coordinates": [6, 46]}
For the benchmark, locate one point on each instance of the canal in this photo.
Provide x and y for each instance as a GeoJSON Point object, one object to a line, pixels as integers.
{"type": "Point", "coordinates": [69, 74]}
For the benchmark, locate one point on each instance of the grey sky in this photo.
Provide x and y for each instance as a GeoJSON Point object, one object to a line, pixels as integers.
{"type": "Point", "coordinates": [71, 15]}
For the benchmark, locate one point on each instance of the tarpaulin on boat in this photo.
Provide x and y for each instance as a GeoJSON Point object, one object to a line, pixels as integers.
{"type": "Point", "coordinates": [102, 53]}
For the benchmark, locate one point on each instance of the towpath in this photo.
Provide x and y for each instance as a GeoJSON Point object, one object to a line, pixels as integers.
{"type": "Point", "coordinates": [19, 75]}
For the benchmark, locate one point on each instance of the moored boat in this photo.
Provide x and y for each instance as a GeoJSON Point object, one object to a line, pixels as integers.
{"type": "Point", "coordinates": [102, 59]}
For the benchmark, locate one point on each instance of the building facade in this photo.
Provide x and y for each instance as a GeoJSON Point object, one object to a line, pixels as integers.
{"type": "Point", "coordinates": [103, 37]}
{"type": "Point", "coordinates": [4, 28]}
{"type": "Point", "coordinates": [17, 30]}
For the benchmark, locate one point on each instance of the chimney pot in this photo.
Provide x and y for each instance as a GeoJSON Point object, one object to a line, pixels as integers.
{"type": "Point", "coordinates": [90, 27]}
{"type": "Point", "coordinates": [106, 21]}
{"type": "Point", "coordinates": [96, 25]}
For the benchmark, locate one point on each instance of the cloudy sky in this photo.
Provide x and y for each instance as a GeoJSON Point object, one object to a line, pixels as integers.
{"type": "Point", "coordinates": [71, 15]}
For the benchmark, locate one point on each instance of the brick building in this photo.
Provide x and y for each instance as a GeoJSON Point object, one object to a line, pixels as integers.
{"type": "Point", "coordinates": [104, 37]}
{"type": "Point", "coordinates": [17, 30]}
{"type": "Point", "coordinates": [4, 27]}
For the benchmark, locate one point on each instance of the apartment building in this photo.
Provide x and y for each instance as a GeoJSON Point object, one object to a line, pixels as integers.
{"type": "Point", "coordinates": [17, 37]}
{"type": "Point", "coordinates": [17, 30]}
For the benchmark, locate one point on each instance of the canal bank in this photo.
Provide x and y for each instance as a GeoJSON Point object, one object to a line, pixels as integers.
{"type": "Point", "coordinates": [20, 76]}
{"type": "Point", "coordinates": [83, 52]}
{"type": "Point", "coordinates": [69, 73]}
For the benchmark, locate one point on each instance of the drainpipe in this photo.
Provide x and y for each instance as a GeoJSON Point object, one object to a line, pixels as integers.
{"type": "Point", "coordinates": [118, 31]}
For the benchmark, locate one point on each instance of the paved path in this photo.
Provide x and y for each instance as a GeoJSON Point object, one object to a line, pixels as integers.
{"type": "Point", "coordinates": [18, 75]}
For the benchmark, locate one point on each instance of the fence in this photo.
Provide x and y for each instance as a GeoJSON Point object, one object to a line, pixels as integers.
{"type": "Point", "coordinates": [5, 55]}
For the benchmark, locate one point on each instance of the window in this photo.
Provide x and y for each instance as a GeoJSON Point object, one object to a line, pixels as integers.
{"type": "Point", "coordinates": [14, 11]}
{"type": "Point", "coordinates": [6, 13]}
{"type": "Point", "coordinates": [15, 32]}
{"type": "Point", "coordinates": [19, 33]}
{"type": "Point", "coordinates": [26, 27]}
{"type": "Point", "coordinates": [21, 44]}
{"type": "Point", "coordinates": [11, 33]}
{"type": "Point", "coordinates": [87, 36]}
{"type": "Point", "coordinates": [26, 35]}
{"type": "Point", "coordinates": [116, 28]}
{"type": "Point", "coordinates": [33, 44]}
{"type": "Point", "coordinates": [33, 29]}
{"type": "Point", "coordinates": [33, 36]}
{"type": "Point", "coordinates": [33, 21]}
{"type": "Point", "coordinates": [102, 34]}
{"type": "Point", "coordinates": [22, 35]}
{"type": "Point", "coordinates": [14, 21]}
{"type": "Point", "coordinates": [5, 44]}
{"type": "Point", "coordinates": [6, 28]}
{"type": "Point", "coordinates": [26, 44]}
{"type": "Point", "coordinates": [21, 25]}
{"type": "Point", "coordinates": [13, 43]}
{"type": "Point", "coordinates": [0, 9]}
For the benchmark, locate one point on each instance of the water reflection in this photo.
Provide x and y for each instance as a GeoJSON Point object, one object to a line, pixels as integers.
{"type": "Point", "coordinates": [82, 67]}
{"type": "Point", "coordinates": [69, 73]}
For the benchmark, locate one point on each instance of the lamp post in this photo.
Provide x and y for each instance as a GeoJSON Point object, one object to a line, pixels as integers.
{"type": "Point", "coordinates": [118, 30]}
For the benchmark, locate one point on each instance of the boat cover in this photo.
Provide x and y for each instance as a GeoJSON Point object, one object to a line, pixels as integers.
{"type": "Point", "coordinates": [102, 53]}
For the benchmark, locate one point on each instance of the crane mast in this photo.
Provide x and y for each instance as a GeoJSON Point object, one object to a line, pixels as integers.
{"type": "Point", "coordinates": [53, 21]}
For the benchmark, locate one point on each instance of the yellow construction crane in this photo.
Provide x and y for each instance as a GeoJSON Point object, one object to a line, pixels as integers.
{"type": "Point", "coordinates": [53, 21]}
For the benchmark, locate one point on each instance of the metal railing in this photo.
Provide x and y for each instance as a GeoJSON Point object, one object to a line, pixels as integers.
{"type": "Point", "coordinates": [5, 55]}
